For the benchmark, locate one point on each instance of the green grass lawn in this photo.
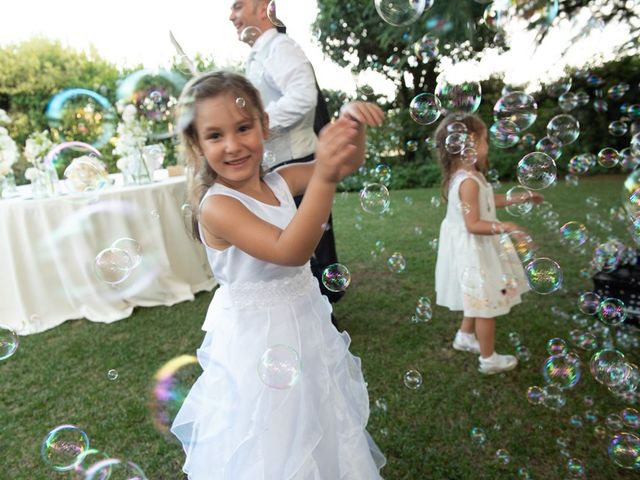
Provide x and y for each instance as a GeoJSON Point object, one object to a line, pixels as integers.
{"type": "Point", "coordinates": [60, 376]}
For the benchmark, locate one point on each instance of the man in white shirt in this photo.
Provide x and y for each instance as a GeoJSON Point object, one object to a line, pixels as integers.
{"type": "Point", "coordinates": [282, 73]}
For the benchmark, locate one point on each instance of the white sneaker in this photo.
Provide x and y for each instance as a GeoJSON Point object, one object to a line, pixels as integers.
{"type": "Point", "coordinates": [466, 342]}
{"type": "Point", "coordinates": [497, 363]}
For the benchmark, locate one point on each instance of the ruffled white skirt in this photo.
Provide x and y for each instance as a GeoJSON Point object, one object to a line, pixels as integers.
{"type": "Point", "coordinates": [235, 427]}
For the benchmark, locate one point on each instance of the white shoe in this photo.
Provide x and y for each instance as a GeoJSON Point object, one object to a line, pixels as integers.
{"type": "Point", "coordinates": [497, 363]}
{"type": "Point", "coordinates": [466, 342]}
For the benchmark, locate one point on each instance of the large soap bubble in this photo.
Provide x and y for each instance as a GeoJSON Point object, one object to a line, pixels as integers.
{"type": "Point", "coordinates": [563, 129]}
{"type": "Point", "coordinates": [536, 170]}
{"type": "Point", "coordinates": [517, 107]}
{"type": "Point", "coordinates": [155, 94]}
{"type": "Point", "coordinates": [81, 115]}
{"type": "Point", "coordinates": [401, 12]}
{"type": "Point", "coordinates": [425, 108]}
{"type": "Point", "coordinates": [463, 97]}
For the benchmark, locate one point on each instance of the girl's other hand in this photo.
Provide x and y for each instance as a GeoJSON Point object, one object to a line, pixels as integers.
{"type": "Point", "coordinates": [363, 112]}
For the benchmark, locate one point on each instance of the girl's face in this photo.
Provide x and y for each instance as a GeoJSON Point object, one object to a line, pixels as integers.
{"type": "Point", "coordinates": [230, 137]}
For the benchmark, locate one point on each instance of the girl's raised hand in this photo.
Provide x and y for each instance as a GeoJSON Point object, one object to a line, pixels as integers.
{"type": "Point", "coordinates": [363, 112]}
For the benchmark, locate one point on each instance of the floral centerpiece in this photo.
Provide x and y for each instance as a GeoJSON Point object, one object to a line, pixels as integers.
{"type": "Point", "coordinates": [135, 165]}
{"type": "Point", "coordinates": [8, 150]}
{"type": "Point", "coordinates": [42, 177]}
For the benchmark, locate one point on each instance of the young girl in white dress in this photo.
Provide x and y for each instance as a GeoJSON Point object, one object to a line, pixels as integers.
{"type": "Point", "coordinates": [280, 396]}
{"type": "Point", "coordinates": [477, 271]}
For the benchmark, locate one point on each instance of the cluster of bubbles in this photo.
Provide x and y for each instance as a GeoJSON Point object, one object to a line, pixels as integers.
{"type": "Point", "coordinates": [66, 449]}
{"type": "Point", "coordinates": [114, 264]}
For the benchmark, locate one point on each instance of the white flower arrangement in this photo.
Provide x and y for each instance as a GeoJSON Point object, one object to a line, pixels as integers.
{"type": "Point", "coordinates": [36, 147]}
{"type": "Point", "coordinates": [132, 133]}
{"type": "Point", "coordinates": [4, 118]}
{"type": "Point", "coordinates": [31, 173]}
{"type": "Point", "coordinates": [8, 152]}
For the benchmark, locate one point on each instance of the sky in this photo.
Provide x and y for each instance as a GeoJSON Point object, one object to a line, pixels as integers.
{"type": "Point", "coordinates": [137, 31]}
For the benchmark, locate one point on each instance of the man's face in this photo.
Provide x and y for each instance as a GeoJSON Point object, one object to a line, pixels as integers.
{"type": "Point", "coordinates": [245, 13]}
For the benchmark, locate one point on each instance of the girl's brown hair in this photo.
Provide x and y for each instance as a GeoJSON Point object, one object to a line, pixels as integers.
{"type": "Point", "coordinates": [474, 125]}
{"type": "Point", "coordinates": [200, 175]}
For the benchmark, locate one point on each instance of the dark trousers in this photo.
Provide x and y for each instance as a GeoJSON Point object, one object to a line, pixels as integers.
{"type": "Point", "coordinates": [325, 253]}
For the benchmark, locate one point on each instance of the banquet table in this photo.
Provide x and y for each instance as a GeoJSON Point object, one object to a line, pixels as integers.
{"type": "Point", "coordinates": [48, 249]}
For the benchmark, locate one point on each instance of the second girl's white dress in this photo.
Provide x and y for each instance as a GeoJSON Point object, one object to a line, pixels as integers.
{"type": "Point", "coordinates": [235, 427]}
{"type": "Point", "coordinates": [480, 275]}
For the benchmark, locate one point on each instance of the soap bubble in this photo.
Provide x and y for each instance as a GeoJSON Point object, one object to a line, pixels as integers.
{"type": "Point", "coordinates": [624, 450]}
{"type": "Point", "coordinates": [381, 173]}
{"type": "Point", "coordinates": [412, 379]}
{"type": "Point", "coordinates": [457, 127]}
{"type": "Point", "coordinates": [546, 145]}
{"type": "Point", "coordinates": [604, 366]}
{"type": "Point", "coordinates": [250, 34]}
{"type": "Point", "coordinates": [401, 12]}
{"type": "Point", "coordinates": [113, 265]}
{"type": "Point", "coordinates": [9, 342]}
{"type": "Point", "coordinates": [504, 133]}
{"type": "Point", "coordinates": [557, 346]}
{"type": "Point", "coordinates": [588, 303]}
{"type": "Point", "coordinates": [468, 156]}
{"type": "Point", "coordinates": [518, 107]}
{"type": "Point", "coordinates": [574, 234]}
{"type": "Point", "coordinates": [426, 48]}
{"type": "Point", "coordinates": [425, 108]}
{"type": "Point", "coordinates": [554, 397]}
{"type": "Point", "coordinates": [155, 95]}
{"type": "Point", "coordinates": [272, 15]}
{"type": "Point", "coordinates": [582, 98]}
{"type": "Point", "coordinates": [568, 101]}
{"type": "Point", "coordinates": [612, 312]}
{"type": "Point", "coordinates": [581, 163]}
{"type": "Point", "coordinates": [478, 436]}
{"type": "Point", "coordinates": [172, 383]}
{"type": "Point", "coordinates": [112, 374]}
{"type": "Point", "coordinates": [631, 417]}
{"type": "Point", "coordinates": [397, 263]}
{"type": "Point", "coordinates": [503, 456]}
{"type": "Point", "coordinates": [132, 247]}
{"type": "Point", "coordinates": [523, 354]}
{"type": "Point", "coordinates": [618, 128]}
{"type": "Point", "coordinates": [455, 142]}
{"type": "Point", "coordinates": [559, 87]}
{"type": "Point", "coordinates": [563, 129]}
{"type": "Point", "coordinates": [608, 157]}
{"type": "Point", "coordinates": [544, 275]}
{"type": "Point", "coordinates": [336, 277]}
{"type": "Point", "coordinates": [63, 446]}
{"type": "Point", "coordinates": [374, 198]}
{"type": "Point", "coordinates": [279, 367]}
{"type": "Point", "coordinates": [563, 370]}
{"type": "Point", "coordinates": [112, 469]}
{"type": "Point", "coordinates": [520, 243]}
{"type": "Point", "coordinates": [78, 114]}
{"type": "Point", "coordinates": [463, 97]}
{"type": "Point", "coordinates": [535, 395]}
{"type": "Point", "coordinates": [516, 206]}
{"type": "Point", "coordinates": [472, 278]}
{"type": "Point", "coordinates": [576, 468]}
{"type": "Point", "coordinates": [600, 105]}
{"type": "Point", "coordinates": [536, 171]}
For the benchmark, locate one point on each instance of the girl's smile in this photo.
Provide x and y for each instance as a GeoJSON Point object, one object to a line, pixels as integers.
{"type": "Point", "coordinates": [230, 138]}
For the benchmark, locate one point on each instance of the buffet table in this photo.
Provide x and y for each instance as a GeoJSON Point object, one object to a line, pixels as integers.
{"type": "Point", "coordinates": [48, 249]}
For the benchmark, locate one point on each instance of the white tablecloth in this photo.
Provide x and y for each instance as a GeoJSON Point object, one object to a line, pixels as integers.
{"type": "Point", "coordinates": [48, 249]}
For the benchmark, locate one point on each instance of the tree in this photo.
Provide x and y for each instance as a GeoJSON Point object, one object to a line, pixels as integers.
{"type": "Point", "coordinates": [353, 35]}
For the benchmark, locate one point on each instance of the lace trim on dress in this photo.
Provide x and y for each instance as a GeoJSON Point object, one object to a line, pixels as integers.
{"type": "Point", "coordinates": [269, 293]}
